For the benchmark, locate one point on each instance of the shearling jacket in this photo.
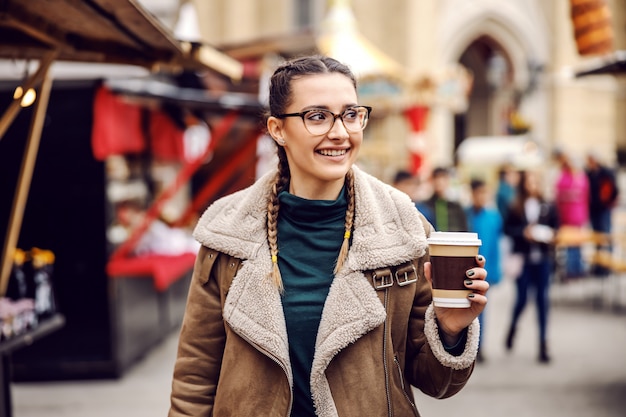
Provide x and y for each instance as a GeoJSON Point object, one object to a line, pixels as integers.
{"type": "Point", "coordinates": [378, 334]}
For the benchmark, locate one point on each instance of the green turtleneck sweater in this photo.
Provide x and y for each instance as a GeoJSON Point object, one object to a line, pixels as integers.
{"type": "Point", "coordinates": [310, 233]}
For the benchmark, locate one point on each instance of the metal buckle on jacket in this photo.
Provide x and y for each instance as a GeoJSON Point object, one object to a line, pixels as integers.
{"type": "Point", "coordinates": [382, 278]}
{"type": "Point", "coordinates": [403, 275]}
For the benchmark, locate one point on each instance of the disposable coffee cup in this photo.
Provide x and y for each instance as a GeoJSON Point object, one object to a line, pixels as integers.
{"type": "Point", "coordinates": [451, 255]}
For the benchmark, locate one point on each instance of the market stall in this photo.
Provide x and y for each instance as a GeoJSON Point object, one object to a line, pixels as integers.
{"type": "Point", "coordinates": [46, 33]}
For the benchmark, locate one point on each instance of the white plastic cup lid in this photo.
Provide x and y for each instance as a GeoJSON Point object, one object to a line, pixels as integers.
{"type": "Point", "coordinates": [454, 239]}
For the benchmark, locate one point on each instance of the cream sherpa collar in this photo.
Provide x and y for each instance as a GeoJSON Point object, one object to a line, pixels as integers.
{"type": "Point", "coordinates": [387, 228]}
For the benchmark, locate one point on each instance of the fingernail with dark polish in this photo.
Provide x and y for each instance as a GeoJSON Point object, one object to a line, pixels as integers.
{"type": "Point", "coordinates": [468, 282]}
{"type": "Point", "coordinates": [470, 273]}
{"type": "Point", "coordinates": [480, 258]}
{"type": "Point", "coordinates": [471, 295]}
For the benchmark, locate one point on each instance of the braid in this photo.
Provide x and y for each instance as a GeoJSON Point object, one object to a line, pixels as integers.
{"type": "Point", "coordinates": [280, 181]}
{"type": "Point", "coordinates": [280, 97]}
{"type": "Point", "coordinates": [343, 252]}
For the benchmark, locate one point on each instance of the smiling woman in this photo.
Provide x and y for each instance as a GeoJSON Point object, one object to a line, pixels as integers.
{"type": "Point", "coordinates": [294, 290]}
{"type": "Point", "coordinates": [318, 150]}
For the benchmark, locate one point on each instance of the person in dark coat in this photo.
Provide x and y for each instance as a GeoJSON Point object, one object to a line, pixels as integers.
{"type": "Point", "coordinates": [603, 193]}
{"type": "Point", "coordinates": [531, 223]}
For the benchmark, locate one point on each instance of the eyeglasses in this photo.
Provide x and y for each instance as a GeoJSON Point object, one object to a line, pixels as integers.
{"type": "Point", "coordinates": [319, 122]}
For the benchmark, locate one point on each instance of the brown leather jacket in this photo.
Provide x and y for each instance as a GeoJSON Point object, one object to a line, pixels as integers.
{"type": "Point", "coordinates": [372, 344]}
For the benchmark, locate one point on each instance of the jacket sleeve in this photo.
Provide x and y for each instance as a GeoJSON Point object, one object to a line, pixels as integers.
{"type": "Point", "coordinates": [201, 342]}
{"type": "Point", "coordinates": [429, 366]}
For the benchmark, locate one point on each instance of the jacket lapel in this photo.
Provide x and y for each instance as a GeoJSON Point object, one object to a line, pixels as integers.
{"type": "Point", "coordinates": [352, 309]}
{"type": "Point", "coordinates": [253, 309]}
{"type": "Point", "coordinates": [387, 226]}
{"type": "Point", "coordinates": [236, 225]}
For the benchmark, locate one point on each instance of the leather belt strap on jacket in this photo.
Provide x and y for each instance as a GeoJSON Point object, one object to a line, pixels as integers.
{"type": "Point", "coordinates": [403, 274]}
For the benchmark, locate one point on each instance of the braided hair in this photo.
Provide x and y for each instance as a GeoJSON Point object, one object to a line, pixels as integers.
{"type": "Point", "coordinates": [280, 96]}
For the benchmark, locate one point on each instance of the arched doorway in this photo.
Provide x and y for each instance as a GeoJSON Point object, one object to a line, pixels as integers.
{"type": "Point", "coordinates": [492, 99]}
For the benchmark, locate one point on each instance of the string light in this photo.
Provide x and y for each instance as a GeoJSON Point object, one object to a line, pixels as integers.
{"type": "Point", "coordinates": [27, 99]}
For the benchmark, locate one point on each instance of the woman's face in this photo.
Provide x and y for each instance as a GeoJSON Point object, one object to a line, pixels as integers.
{"type": "Point", "coordinates": [318, 163]}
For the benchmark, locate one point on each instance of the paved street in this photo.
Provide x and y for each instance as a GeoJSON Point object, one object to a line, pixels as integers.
{"type": "Point", "coordinates": [587, 376]}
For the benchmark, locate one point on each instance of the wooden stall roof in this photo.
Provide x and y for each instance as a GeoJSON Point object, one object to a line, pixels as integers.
{"type": "Point", "coordinates": [107, 31]}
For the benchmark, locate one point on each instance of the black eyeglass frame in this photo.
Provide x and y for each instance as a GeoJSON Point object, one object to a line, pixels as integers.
{"type": "Point", "coordinates": [335, 117]}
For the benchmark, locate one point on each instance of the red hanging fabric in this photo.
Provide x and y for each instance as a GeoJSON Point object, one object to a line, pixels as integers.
{"type": "Point", "coordinates": [417, 117]}
{"type": "Point", "coordinates": [116, 126]}
{"type": "Point", "coordinates": [166, 139]}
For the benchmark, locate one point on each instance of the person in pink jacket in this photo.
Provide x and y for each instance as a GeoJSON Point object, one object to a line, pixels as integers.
{"type": "Point", "coordinates": [572, 202]}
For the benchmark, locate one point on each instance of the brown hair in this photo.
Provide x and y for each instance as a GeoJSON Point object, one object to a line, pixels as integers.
{"type": "Point", "coordinates": [522, 194]}
{"type": "Point", "coordinates": [280, 96]}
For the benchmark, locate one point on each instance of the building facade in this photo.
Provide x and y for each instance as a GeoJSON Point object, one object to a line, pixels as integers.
{"type": "Point", "coordinates": [521, 57]}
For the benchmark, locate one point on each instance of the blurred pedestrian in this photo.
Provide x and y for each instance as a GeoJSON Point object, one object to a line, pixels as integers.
{"type": "Point", "coordinates": [484, 219]}
{"type": "Point", "coordinates": [446, 214]}
{"type": "Point", "coordinates": [532, 223]}
{"type": "Point", "coordinates": [508, 179]}
{"type": "Point", "coordinates": [603, 193]}
{"type": "Point", "coordinates": [408, 183]}
{"type": "Point", "coordinates": [311, 294]}
{"type": "Point", "coordinates": [572, 202]}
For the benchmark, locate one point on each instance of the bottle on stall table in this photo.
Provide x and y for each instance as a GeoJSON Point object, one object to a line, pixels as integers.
{"type": "Point", "coordinates": [17, 287]}
{"type": "Point", "coordinates": [17, 309]}
{"type": "Point", "coordinates": [42, 261]}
